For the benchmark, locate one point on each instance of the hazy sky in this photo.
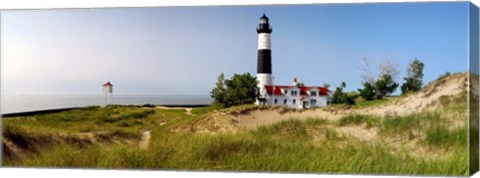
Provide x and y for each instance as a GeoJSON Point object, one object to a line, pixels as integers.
{"type": "Point", "coordinates": [181, 50]}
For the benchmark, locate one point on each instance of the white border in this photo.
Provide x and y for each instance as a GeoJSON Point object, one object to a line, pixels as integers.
{"type": "Point", "coordinates": [48, 4]}
{"type": "Point", "coordinates": [73, 173]}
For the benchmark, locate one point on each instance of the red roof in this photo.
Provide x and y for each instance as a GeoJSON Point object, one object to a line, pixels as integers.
{"type": "Point", "coordinates": [278, 89]}
{"type": "Point", "coordinates": [107, 84]}
{"type": "Point", "coordinates": [303, 90]}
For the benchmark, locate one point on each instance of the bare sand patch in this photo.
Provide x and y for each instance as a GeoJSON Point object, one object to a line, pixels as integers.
{"type": "Point", "coordinates": [145, 140]}
{"type": "Point", "coordinates": [257, 118]}
{"type": "Point", "coordinates": [188, 110]}
{"type": "Point", "coordinates": [358, 132]}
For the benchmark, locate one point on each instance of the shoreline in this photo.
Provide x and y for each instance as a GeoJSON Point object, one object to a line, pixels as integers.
{"type": "Point", "coordinates": [55, 110]}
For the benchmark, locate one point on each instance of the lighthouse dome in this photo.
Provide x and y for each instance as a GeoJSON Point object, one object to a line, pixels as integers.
{"type": "Point", "coordinates": [264, 19]}
{"type": "Point", "coordinates": [264, 27]}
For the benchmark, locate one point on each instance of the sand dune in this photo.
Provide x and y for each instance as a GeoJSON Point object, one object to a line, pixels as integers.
{"type": "Point", "coordinates": [423, 100]}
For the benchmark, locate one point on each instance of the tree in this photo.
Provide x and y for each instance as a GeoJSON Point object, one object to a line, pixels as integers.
{"type": "Point", "coordinates": [339, 97]}
{"type": "Point", "coordinates": [368, 91]}
{"type": "Point", "coordinates": [413, 81]}
{"type": "Point", "coordinates": [388, 66]}
{"type": "Point", "coordinates": [240, 89]}
{"type": "Point", "coordinates": [385, 86]}
{"type": "Point", "coordinates": [326, 85]}
{"type": "Point", "coordinates": [219, 92]}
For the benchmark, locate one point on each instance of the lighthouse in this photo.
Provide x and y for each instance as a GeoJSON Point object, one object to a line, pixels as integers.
{"type": "Point", "coordinates": [264, 63]}
{"type": "Point", "coordinates": [291, 96]}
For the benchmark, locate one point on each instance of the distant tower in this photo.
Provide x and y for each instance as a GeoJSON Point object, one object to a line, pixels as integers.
{"type": "Point", "coordinates": [107, 89]}
{"type": "Point", "coordinates": [264, 63]}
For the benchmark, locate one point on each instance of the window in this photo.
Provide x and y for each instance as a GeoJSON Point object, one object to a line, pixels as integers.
{"type": "Point", "coordinates": [313, 93]}
{"type": "Point", "coordinates": [275, 101]}
{"type": "Point", "coordinates": [294, 93]}
{"type": "Point", "coordinates": [313, 102]}
{"type": "Point", "coordinates": [285, 91]}
{"type": "Point", "coordinates": [285, 102]}
{"type": "Point", "coordinates": [293, 102]}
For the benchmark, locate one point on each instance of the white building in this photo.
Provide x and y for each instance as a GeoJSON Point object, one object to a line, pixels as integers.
{"type": "Point", "coordinates": [107, 88]}
{"type": "Point", "coordinates": [292, 96]}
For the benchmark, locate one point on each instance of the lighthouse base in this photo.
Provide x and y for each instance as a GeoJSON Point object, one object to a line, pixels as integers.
{"type": "Point", "coordinates": [262, 80]}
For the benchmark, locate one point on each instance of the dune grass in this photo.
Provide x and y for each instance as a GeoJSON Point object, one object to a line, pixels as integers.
{"type": "Point", "coordinates": [362, 103]}
{"type": "Point", "coordinates": [81, 127]}
{"type": "Point", "coordinates": [93, 119]}
{"type": "Point", "coordinates": [286, 146]}
{"type": "Point", "coordinates": [439, 135]}
{"type": "Point", "coordinates": [308, 145]}
{"type": "Point", "coordinates": [357, 119]}
{"type": "Point", "coordinates": [205, 110]}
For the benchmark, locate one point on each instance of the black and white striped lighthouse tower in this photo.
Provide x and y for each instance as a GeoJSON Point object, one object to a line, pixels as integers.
{"type": "Point", "coordinates": [264, 64]}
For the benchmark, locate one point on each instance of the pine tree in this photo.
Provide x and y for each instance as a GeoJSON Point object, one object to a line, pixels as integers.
{"type": "Point", "coordinates": [385, 86]}
{"type": "Point", "coordinates": [413, 81]}
{"type": "Point", "coordinates": [368, 91]}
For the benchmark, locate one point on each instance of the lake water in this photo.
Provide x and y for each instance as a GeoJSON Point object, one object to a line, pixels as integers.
{"type": "Point", "coordinates": [24, 103]}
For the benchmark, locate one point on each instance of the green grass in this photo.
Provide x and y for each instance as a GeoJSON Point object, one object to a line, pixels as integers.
{"type": "Point", "coordinates": [291, 130]}
{"type": "Point", "coordinates": [457, 104]}
{"type": "Point", "coordinates": [396, 125]}
{"type": "Point", "coordinates": [293, 145]}
{"type": "Point", "coordinates": [96, 119]}
{"type": "Point", "coordinates": [362, 103]}
{"type": "Point", "coordinates": [331, 134]}
{"type": "Point", "coordinates": [204, 110]}
{"type": "Point", "coordinates": [258, 150]}
{"type": "Point", "coordinates": [357, 119]}
{"type": "Point", "coordinates": [106, 125]}
{"type": "Point", "coordinates": [442, 136]}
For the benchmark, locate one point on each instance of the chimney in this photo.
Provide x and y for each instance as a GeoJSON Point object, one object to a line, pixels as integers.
{"type": "Point", "coordinates": [295, 82]}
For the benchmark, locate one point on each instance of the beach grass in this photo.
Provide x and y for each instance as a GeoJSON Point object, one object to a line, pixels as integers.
{"type": "Point", "coordinates": [282, 147]}
{"type": "Point", "coordinates": [312, 145]}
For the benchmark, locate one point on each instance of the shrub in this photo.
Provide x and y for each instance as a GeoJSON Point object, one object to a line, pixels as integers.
{"type": "Point", "coordinates": [339, 97]}
{"type": "Point", "coordinates": [368, 91]}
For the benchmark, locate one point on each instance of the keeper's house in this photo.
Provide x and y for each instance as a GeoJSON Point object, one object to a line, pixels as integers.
{"type": "Point", "coordinates": [292, 96]}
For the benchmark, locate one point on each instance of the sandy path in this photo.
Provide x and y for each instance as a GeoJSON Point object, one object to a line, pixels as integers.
{"type": "Point", "coordinates": [188, 111]}
{"type": "Point", "coordinates": [145, 140]}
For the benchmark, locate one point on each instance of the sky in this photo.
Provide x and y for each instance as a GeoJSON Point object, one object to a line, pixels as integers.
{"type": "Point", "coordinates": [182, 50]}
